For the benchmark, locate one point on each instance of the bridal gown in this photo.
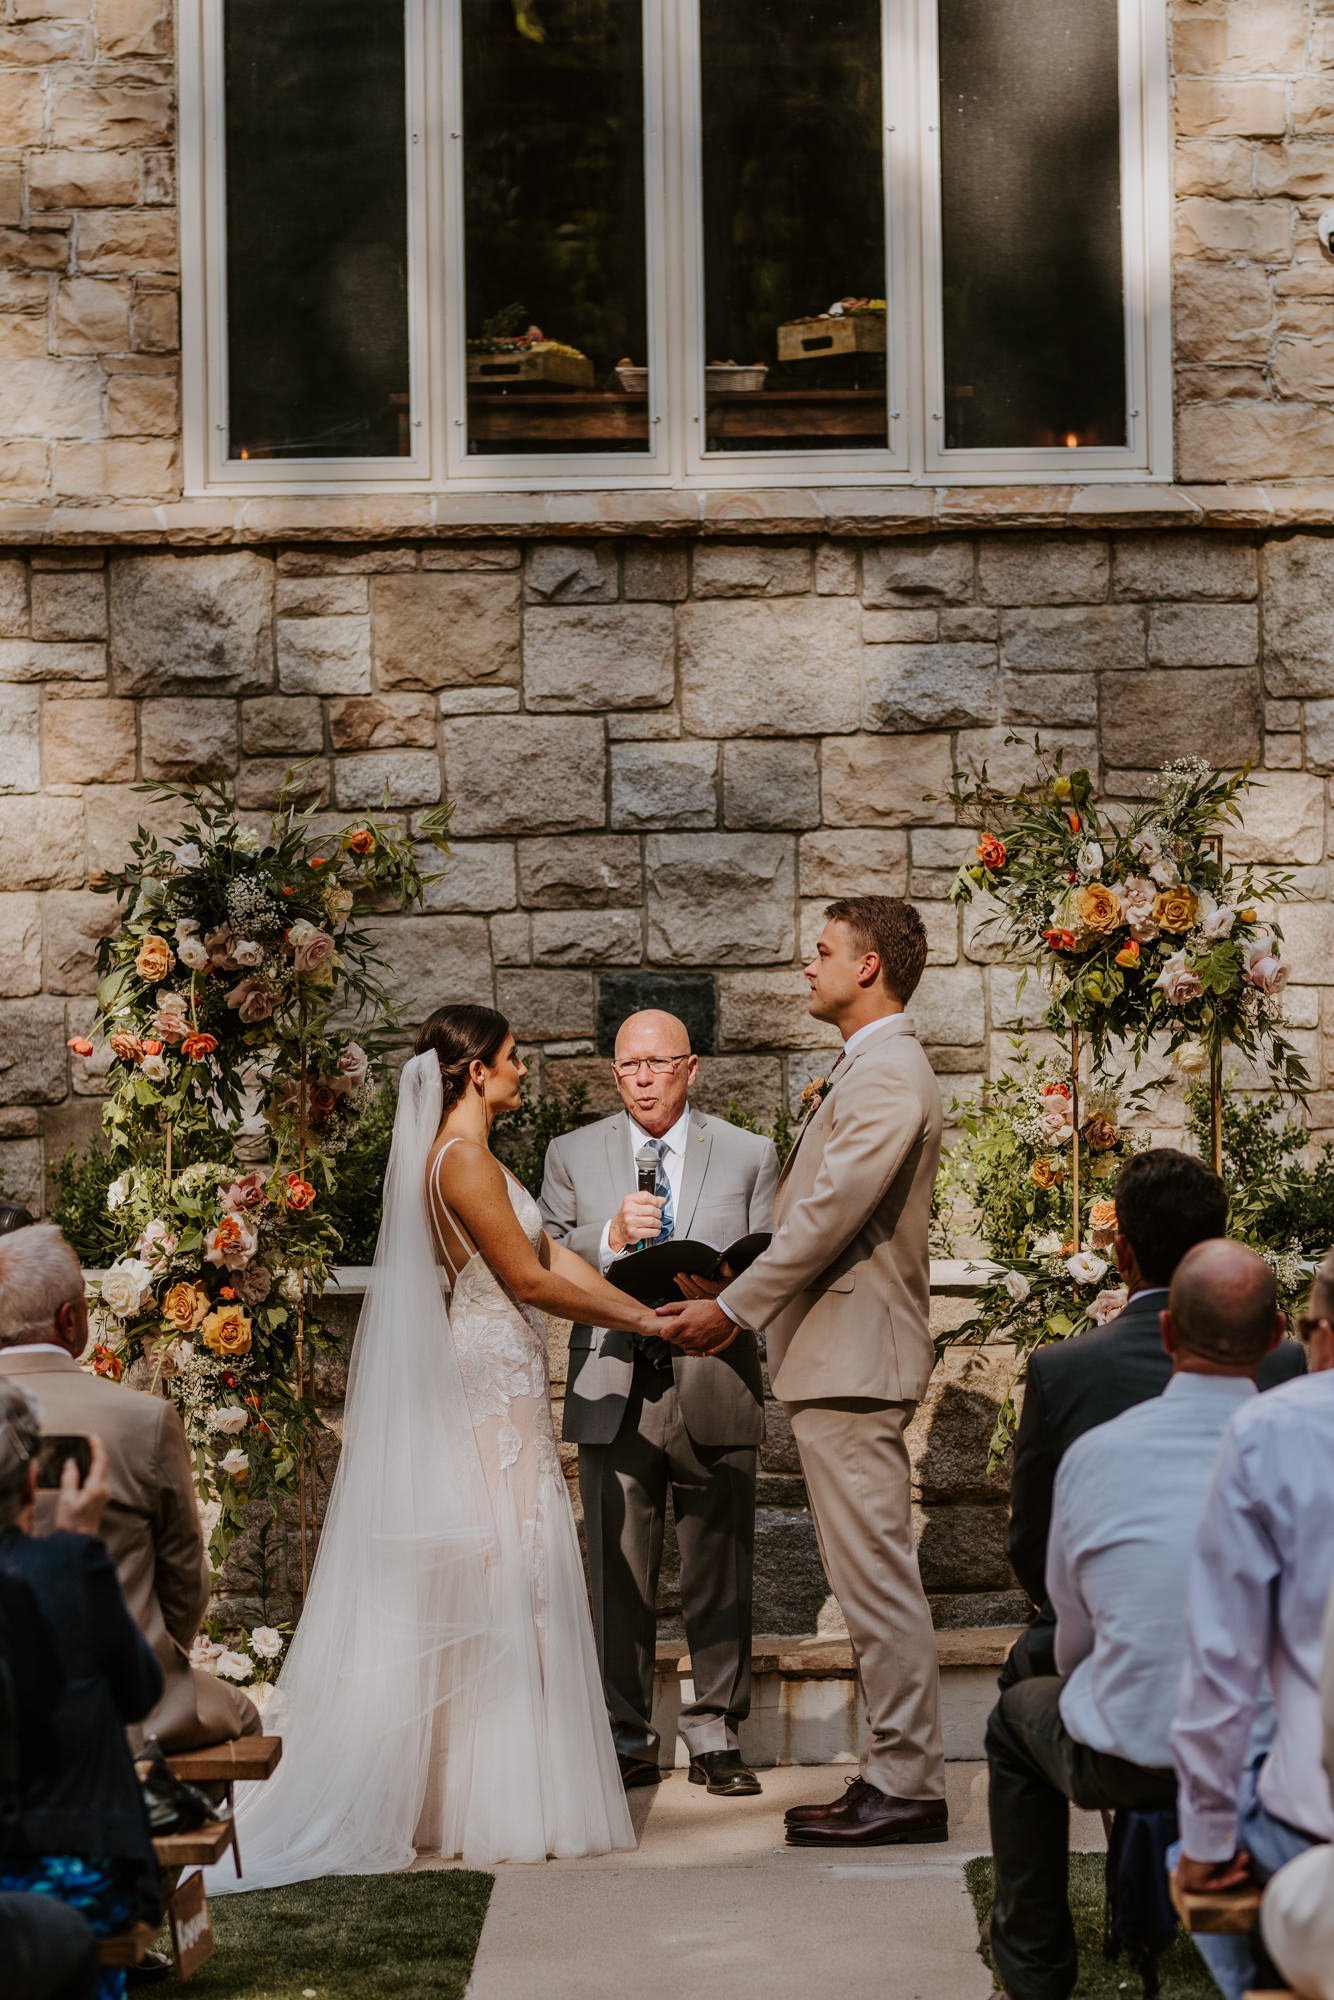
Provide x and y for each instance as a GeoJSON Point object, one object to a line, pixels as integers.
{"type": "Point", "coordinates": [523, 1765]}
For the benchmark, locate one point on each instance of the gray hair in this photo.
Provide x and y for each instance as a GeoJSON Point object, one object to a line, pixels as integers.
{"type": "Point", "coordinates": [19, 1438]}
{"type": "Point", "coordinates": [39, 1273]}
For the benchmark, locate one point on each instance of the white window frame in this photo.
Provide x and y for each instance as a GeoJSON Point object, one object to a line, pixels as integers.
{"type": "Point", "coordinates": [916, 454]}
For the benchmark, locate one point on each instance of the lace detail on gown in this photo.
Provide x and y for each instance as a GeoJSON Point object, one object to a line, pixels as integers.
{"type": "Point", "coordinates": [525, 1766]}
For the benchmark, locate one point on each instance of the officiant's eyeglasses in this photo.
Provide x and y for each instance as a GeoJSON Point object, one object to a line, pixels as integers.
{"type": "Point", "coordinates": [657, 1065]}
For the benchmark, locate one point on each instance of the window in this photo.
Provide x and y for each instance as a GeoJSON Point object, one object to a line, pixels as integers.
{"type": "Point", "coordinates": [510, 243]}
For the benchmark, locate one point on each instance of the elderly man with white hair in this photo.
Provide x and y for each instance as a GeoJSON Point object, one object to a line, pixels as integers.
{"type": "Point", "coordinates": [151, 1525]}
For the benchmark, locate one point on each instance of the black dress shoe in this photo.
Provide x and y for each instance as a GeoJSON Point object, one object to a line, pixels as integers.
{"type": "Point", "coordinates": [154, 1965]}
{"type": "Point", "coordinates": [639, 1771]}
{"type": "Point", "coordinates": [871, 1818]}
{"type": "Point", "coordinates": [725, 1774]}
{"type": "Point", "coordinates": [812, 1815]}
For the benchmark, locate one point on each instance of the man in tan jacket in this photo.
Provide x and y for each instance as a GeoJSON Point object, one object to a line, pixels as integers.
{"type": "Point", "coordinates": [151, 1525]}
{"type": "Point", "coordinates": [844, 1291]}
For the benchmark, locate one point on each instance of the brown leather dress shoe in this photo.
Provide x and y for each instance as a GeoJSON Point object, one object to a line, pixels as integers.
{"type": "Point", "coordinates": [812, 1815]}
{"type": "Point", "coordinates": [871, 1818]}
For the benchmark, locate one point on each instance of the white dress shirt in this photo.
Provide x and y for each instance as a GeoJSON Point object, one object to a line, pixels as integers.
{"type": "Point", "coordinates": [673, 1161]}
{"type": "Point", "coordinates": [1127, 1499]}
{"type": "Point", "coordinates": [1261, 1576]}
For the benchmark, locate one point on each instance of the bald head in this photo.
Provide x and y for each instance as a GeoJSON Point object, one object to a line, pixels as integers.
{"type": "Point", "coordinates": [1222, 1309]}
{"type": "Point", "coordinates": [654, 1097]}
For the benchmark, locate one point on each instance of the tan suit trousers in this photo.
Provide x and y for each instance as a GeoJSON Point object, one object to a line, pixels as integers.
{"type": "Point", "coordinates": [855, 1462]}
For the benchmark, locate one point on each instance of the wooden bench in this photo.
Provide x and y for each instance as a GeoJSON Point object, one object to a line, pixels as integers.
{"type": "Point", "coordinates": [215, 1770]}
{"type": "Point", "coordinates": [127, 1947]}
{"type": "Point", "coordinates": [1219, 1912]}
{"type": "Point", "coordinates": [248, 1758]}
{"type": "Point", "coordinates": [1271, 1993]}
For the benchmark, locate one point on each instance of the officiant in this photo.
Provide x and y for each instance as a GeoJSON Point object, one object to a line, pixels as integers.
{"type": "Point", "coordinates": [651, 1421]}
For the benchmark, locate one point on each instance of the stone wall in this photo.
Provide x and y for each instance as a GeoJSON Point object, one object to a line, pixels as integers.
{"type": "Point", "coordinates": [89, 266]}
{"type": "Point", "coordinates": [663, 761]}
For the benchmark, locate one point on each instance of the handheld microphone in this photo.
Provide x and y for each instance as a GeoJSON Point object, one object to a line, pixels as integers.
{"type": "Point", "coordinates": [646, 1166]}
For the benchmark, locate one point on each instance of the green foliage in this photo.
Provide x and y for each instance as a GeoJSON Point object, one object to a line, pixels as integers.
{"type": "Point", "coordinates": [521, 1139]}
{"type": "Point", "coordinates": [1182, 1971]}
{"type": "Point", "coordinates": [1280, 1191]}
{"type": "Point", "coordinates": [782, 1130]}
{"type": "Point", "coordinates": [80, 1210]}
{"type": "Point", "coordinates": [354, 1199]}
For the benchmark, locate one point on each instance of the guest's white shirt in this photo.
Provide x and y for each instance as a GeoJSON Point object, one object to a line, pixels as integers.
{"type": "Point", "coordinates": [1127, 1499]}
{"type": "Point", "coordinates": [673, 1161]}
{"type": "Point", "coordinates": [1261, 1575]}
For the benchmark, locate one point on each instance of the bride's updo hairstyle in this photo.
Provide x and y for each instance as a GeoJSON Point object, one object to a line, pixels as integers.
{"type": "Point", "coordinates": [458, 1037]}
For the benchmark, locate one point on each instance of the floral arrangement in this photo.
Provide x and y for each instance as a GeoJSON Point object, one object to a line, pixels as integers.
{"type": "Point", "coordinates": [1133, 919]}
{"type": "Point", "coordinates": [511, 332]}
{"type": "Point", "coordinates": [240, 1007]}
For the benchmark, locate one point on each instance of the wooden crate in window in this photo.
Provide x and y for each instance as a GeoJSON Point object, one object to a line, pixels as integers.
{"type": "Point", "coordinates": [817, 339]}
{"type": "Point", "coordinates": [530, 364]}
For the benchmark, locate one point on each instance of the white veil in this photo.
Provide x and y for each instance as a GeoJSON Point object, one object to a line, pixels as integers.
{"type": "Point", "coordinates": [396, 1623]}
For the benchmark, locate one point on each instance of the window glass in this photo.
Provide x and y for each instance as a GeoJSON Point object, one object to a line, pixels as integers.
{"type": "Point", "coordinates": [553, 173]}
{"type": "Point", "coordinates": [316, 229]}
{"type": "Point", "coordinates": [794, 224]}
{"type": "Point", "coordinates": [1031, 223]}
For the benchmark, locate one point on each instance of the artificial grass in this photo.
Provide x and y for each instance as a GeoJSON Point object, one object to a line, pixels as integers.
{"type": "Point", "coordinates": [348, 1937]}
{"type": "Point", "coordinates": [1181, 1970]}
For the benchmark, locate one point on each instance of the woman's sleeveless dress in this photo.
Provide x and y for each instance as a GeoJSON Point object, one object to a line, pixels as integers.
{"type": "Point", "coordinates": [525, 1765]}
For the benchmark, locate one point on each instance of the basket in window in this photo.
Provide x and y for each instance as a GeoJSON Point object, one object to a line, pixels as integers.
{"type": "Point", "coordinates": [850, 326]}
{"type": "Point", "coordinates": [511, 349]}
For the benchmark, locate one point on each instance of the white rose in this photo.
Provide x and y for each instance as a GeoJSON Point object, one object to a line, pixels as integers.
{"type": "Point", "coordinates": [191, 953]}
{"type": "Point", "coordinates": [261, 1693]}
{"type": "Point", "coordinates": [118, 1192]}
{"type": "Point", "coordinates": [154, 1068]}
{"type": "Point", "coordinates": [126, 1286]}
{"type": "Point", "coordinates": [236, 1464]}
{"type": "Point", "coordinates": [1178, 982]}
{"type": "Point", "coordinates": [1057, 1119]}
{"type": "Point", "coordinates": [1216, 919]}
{"type": "Point", "coordinates": [1108, 1304]}
{"type": "Point", "coordinates": [1048, 1246]}
{"type": "Point", "coordinates": [1137, 896]}
{"type": "Point", "coordinates": [234, 1666]}
{"type": "Point", "coordinates": [1085, 1268]}
{"type": "Point", "coordinates": [1192, 1058]}
{"type": "Point", "coordinates": [266, 1642]}
{"type": "Point", "coordinates": [204, 1653]}
{"type": "Point", "coordinates": [186, 927]}
{"type": "Point", "coordinates": [1164, 874]}
{"type": "Point", "coordinates": [1089, 859]}
{"type": "Point", "coordinates": [1147, 847]}
{"type": "Point", "coordinates": [189, 854]}
{"type": "Point", "coordinates": [230, 1421]}
{"type": "Point", "coordinates": [247, 840]}
{"type": "Point", "coordinates": [290, 1287]}
{"type": "Point", "coordinates": [1017, 1285]}
{"type": "Point", "coordinates": [246, 952]}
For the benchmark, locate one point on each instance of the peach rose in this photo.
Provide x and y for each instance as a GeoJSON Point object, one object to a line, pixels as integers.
{"type": "Point", "coordinates": [1102, 1221]}
{"type": "Point", "coordinates": [80, 1045]}
{"type": "Point", "coordinates": [360, 840]}
{"type": "Point", "coordinates": [353, 1065]}
{"type": "Point", "coordinates": [312, 952]}
{"type": "Point", "coordinates": [227, 1331]}
{"type": "Point", "coordinates": [196, 1046]}
{"type": "Point", "coordinates": [300, 1193]}
{"type": "Point", "coordinates": [232, 1243]}
{"type": "Point", "coordinates": [1098, 909]}
{"type": "Point", "coordinates": [184, 1308]}
{"type": "Point", "coordinates": [128, 1047]}
{"type": "Point", "coordinates": [154, 960]}
{"type": "Point", "coordinates": [246, 1192]}
{"type": "Point", "coordinates": [1045, 1173]}
{"type": "Point", "coordinates": [991, 852]}
{"type": "Point", "coordinates": [107, 1362]}
{"type": "Point", "coordinates": [1177, 982]}
{"type": "Point", "coordinates": [1174, 910]}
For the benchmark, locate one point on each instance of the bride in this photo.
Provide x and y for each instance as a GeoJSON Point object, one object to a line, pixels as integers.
{"type": "Point", "coordinates": [442, 1692]}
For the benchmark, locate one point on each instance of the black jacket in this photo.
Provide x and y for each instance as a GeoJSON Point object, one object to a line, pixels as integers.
{"type": "Point", "coordinates": [88, 1800]}
{"type": "Point", "coordinates": [1077, 1384]}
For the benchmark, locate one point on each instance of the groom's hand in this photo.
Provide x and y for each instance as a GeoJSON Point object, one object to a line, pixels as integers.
{"type": "Point", "coordinates": [699, 1326]}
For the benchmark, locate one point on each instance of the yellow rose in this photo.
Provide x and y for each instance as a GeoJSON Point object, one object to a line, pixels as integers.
{"type": "Point", "coordinates": [183, 1308]}
{"type": "Point", "coordinates": [1045, 1173]}
{"type": "Point", "coordinates": [1174, 910]}
{"type": "Point", "coordinates": [227, 1331]}
{"type": "Point", "coordinates": [154, 961]}
{"type": "Point", "coordinates": [1098, 909]}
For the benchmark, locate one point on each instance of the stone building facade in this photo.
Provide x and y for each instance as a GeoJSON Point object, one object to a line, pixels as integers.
{"type": "Point", "coordinates": [672, 723]}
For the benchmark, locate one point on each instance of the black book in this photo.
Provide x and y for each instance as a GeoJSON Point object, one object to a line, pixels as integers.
{"type": "Point", "coordinates": [649, 1275]}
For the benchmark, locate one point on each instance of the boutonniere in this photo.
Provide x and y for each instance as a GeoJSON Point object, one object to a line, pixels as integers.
{"type": "Point", "coordinates": [815, 1093]}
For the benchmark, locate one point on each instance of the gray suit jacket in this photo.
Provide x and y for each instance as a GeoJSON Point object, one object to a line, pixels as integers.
{"type": "Point", "coordinates": [727, 1190]}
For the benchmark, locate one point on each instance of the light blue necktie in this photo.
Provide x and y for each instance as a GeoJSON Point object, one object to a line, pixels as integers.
{"type": "Point", "coordinates": [663, 1187]}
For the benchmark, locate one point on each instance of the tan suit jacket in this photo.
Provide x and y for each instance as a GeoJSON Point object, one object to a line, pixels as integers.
{"type": "Point", "coordinates": [152, 1532]}
{"type": "Point", "coordinates": [844, 1289]}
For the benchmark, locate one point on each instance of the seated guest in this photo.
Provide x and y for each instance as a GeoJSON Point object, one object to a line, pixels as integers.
{"type": "Point", "coordinates": [1127, 1499]}
{"type": "Point", "coordinates": [1260, 1580]}
{"type": "Point", "coordinates": [1166, 1202]}
{"type": "Point", "coordinates": [79, 1831]}
{"type": "Point", "coordinates": [152, 1523]}
{"type": "Point", "coordinates": [1297, 1915]}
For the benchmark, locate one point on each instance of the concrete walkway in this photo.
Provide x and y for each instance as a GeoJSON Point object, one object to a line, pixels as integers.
{"type": "Point", "coordinates": [714, 1904]}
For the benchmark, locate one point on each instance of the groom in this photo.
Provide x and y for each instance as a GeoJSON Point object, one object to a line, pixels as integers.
{"type": "Point", "coordinates": [649, 1419]}
{"type": "Point", "coordinates": [844, 1290]}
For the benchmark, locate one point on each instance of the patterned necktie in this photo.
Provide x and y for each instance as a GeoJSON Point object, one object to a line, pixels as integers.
{"type": "Point", "coordinates": [663, 1187]}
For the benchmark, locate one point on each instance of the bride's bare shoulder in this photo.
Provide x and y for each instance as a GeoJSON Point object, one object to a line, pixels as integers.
{"type": "Point", "coordinates": [461, 1164]}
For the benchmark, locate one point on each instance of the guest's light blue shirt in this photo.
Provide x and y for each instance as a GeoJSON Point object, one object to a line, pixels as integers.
{"type": "Point", "coordinates": [1260, 1579]}
{"type": "Point", "coordinates": [1127, 1499]}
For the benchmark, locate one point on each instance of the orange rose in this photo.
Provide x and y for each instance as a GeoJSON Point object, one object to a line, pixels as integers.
{"type": "Point", "coordinates": [361, 840]}
{"type": "Point", "coordinates": [990, 851]}
{"type": "Point", "coordinates": [154, 960]}
{"type": "Point", "coordinates": [106, 1361]}
{"type": "Point", "coordinates": [80, 1045]}
{"type": "Point", "coordinates": [128, 1047]}
{"type": "Point", "coordinates": [319, 860]}
{"type": "Point", "coordinates": [152, 1048]}
{"type": "Point", "coordinates": [1175, 910]}
{"type": "Point", "coordinates": [1045, 1173]}
{"type": "Point", "coordinates": [183, 1308]}
{"type": "Point", "coordinates": [300, 1194]}
{"type": "Point", "coordinates": [196, 1046]}
{"type": "Point", "coordinates": [227, 1331]}
{"type": "Point", "coordinates": [1102, 1219]}
{"type": "Point", "coordinates": [1075, 823]}
{"type": "Point", "coordinates": [1098, 909]}
{"type": "Point", "coordinates": [1101, 1134]}
{"type": "Point", "coordinates": [1059, 940]}
{"type": "Point", "coordinates": [1128, 954]}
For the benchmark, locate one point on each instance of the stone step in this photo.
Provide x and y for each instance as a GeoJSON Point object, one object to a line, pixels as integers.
{"type": "Point", "coordinates": [804, 1704]}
